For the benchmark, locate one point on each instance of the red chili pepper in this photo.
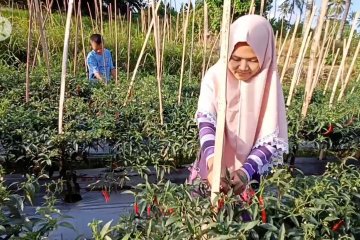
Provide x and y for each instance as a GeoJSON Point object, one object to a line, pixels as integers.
{"type": "Point", "coordinates": [148, 210]}
{"type": "Point", "coordinates": [262, 207]}
{"type": "Point", "coordinates": [155, 202]}
{"type": "Point", "coordinates": [106, 195]}
{"type": "Point", "coordinates": [171, 211]}
{"type": "Point", "coordinates": [338, 225]}
{"type": "Point", "coordinates": [136, 209]}
{"type": "Point", "coordinates": [329, 131]}
{"type": "Point", "coordinates": [220, 204]}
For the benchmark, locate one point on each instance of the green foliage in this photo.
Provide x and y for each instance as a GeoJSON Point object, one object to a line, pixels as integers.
{"type": "Point", "coordinates": [215, 9]}
{"type": "Point", "coordinates": [15, 223]}
{"type": "Point", "coordinates": [296, 208]}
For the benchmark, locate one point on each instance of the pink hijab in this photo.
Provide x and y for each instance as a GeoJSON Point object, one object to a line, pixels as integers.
{"type": "Point", "coordinates": [255, 112]}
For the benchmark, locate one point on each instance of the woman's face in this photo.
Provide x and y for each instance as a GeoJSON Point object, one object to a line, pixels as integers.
{"type": "Point", "coordinates": [243, 63]}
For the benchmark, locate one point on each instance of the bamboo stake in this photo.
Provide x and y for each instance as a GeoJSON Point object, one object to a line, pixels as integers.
{"type": "Point", "coordinates": [289, 50]}
{"type": "Point", "coordinates": [129, 44]}
{"type": "Point", "coordinates": [205, 37]}
{"type": "Point", "coordinates": [41, 25]}
{"type": "Point", "coordinates": [158, 64]}
{"type": "Point", "coordinates": [140, 57]}
{"type": "Point", "coordinates": [353, 88]}
{"type": "Point", "coordinates": [83, 41]}
{"type": "Point", "coordinates": [320, 66]}
{"type": "Point", "coordinates": [121, 22]}
{"type": "Point", "coordinates": [102, 38]}
{"type": "Point", "coordinates": [177, 27]}
{"type": "Point", "coordinates": [262, 6]}
{"type": "Point", "coordinates": [283, 45]}
{"type": "Point", "coordinates": [299, 60]}
{"type": "Point", "coordinates": [116, 44]}
{"type": "Point", "coordinates": [96, 15]}
{"type": "Point", "coordinates": [281, 31]}
{"type": "Point", "coordinates": [302, 56]}
{"type": "Point", "coordinates": [342, 64]}
{"type": "Point", "coordinates": [313, 52]}
{"type": "Point", "coordinates": [251, 6]}
{"type": "Point", "coordinates": [192, 42]}
{"type": "Point", "coordinates": [91, 18]}
{"type": "Point", "coordinates": [349, 71]}
{"type": "Point", "coordinates": [170, 24]}
{"type": "Point", "coordinates": [212, 50]}
{"type": "Point", "coordinates": [220, 125]}
{"type": "Point", "coordinates": [27, 83]}
{"type": "Point", "coordinates": [163, 41]}
{"type": "Point", "coordinates": [183, 54]}
{"type": "Point", "coordinates": [76, 35]}
{"type": "Point", "coordinates": [63, 66]}
{"type": "Point", "coordinates": [331, 70]}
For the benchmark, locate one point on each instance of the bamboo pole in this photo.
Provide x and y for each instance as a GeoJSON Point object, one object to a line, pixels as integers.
{"type": "Point", "coordinates": [357, 80]}
{"type": "Point", "coordinates": [116, 44]}
{"type": "Point", "coordinates": [220, 124]}
{"type": "Point", "coordinates": [183, 53]}
{"type": "Point", "coordinates": [252, 4]}
{"type": "Point", "coordinates": [91, 18]}
{"type": "Point", "coordinates": [177, 27]}
{"type": "Point", "coordinates": [331, 70]}
{"type": "Point", "coordinates": [27, 83]}
{"type": "Point", "coordinates": [129, 44]}
{"type": "Point", "coordinates": [289, 52]}
{"type": "Point", "coordinates": [163, 39]}
{"type": "Point", "coordinates": [313, 51]}
{"type": "Point", "coordinates": [342, 64]}
{"type": "Point", "coordinates": [96, 15]}
{"type": "Point", "coordinates": [262, 6]}
{"type": "Point", "coordinates": [83, 41]}
{"type": "Point", "coordinates": [302, 56]}
{"type": "Point", "coordinates": [205, 37]}
{"type": "Point", "coordinates": [299, 60]}
{"type": "Point", "coordinates": [41, 25]}
{"type": "Point", "coordinates": [140, 57]}
{"type": "Point", "coordinates": [64, 63]}
{"type": "Point", "coordinates": [283, 45]}
{"type": "Point", "coordinates": [282, 30]}
{"type": "Point", "coordinates": [320, 66]}
{"type": "Point", "coordinates": [158, 61]}
{"type": "Point", "coordinates": [192, 42]}
{"type": "Point", "coordinates": [349, 71]}
{"type": "Point", "coordinates": [76, 35]}
{"type": "Point", "coordinates": [212, 50]}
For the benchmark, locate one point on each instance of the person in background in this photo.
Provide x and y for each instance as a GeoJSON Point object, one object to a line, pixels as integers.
{"type": "Point", "coordinates": [99, 61]}
{"type": "Point", "coordinates": [256, 127]}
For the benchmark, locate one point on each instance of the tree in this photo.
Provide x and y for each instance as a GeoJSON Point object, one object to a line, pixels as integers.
{"type": "Point", "coordinates": [343, 19]}
{"type": "Point", "coordinates": [288, 7]}
{"type": "Point", "coordinates": [239, 8]}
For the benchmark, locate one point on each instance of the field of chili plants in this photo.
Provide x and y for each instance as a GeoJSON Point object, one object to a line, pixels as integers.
{"type": "Point", "coordinates": [94, 113]}
{"type": "Point", "coordinates": [146, 117]}
{"type": "Point", "coordinates": [282, 207]}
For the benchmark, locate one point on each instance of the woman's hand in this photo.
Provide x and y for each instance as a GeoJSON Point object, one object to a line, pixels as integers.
{"type": "Point", "coordinates": [224, 187]}
{"type": "Point", "coordinates": [239, 181]}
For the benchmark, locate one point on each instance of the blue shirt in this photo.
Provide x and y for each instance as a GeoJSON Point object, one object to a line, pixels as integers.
{"type": "Point", "coordinates": [95, 64]}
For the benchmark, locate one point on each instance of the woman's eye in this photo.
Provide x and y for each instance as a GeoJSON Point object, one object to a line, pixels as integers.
{"type": "Point", "coordinates": [253, 60]}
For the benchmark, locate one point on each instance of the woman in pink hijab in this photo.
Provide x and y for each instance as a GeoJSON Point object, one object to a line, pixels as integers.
{"type": "Point", "coordinates": [256, 127]}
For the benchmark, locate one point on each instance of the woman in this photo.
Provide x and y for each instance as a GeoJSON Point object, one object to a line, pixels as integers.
{"type": "Point", "coordinates": [256, 127]}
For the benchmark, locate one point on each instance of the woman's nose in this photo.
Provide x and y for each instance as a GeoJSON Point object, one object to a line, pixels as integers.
{"type": "Point", "coordinates": [243, 65]}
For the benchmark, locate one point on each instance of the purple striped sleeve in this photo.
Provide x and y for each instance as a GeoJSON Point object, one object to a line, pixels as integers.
{"type": "Point", "coordinates": [257, 159]}
{"type": "Point", "coordinates": [207, 135]}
